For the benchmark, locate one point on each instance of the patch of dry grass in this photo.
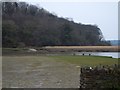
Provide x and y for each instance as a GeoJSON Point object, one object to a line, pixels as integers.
{"type": "Point", "coordinates": [91, 48]}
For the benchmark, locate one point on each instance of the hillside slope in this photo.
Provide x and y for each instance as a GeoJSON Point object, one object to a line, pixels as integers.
{"type": "Point", "coordinates": [27, 25]}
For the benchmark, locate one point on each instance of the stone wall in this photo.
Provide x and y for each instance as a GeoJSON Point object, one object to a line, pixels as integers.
{"type": "Point", "coordinates": [100, 77]}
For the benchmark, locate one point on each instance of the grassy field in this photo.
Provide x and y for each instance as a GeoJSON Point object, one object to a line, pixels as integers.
{"type": "Point", "coordinates": [86, 60]}
{"type": "Point", "coordinates": [78, 60]}
{"type": "Point", "coordinates": [73, 59]}
{"type": "Point", "coordinates": [42, 69]}
{"type": "Point", "coordinates": [58, 71]}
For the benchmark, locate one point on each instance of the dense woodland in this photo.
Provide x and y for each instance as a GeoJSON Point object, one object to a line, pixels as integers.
{"type": "Point", "coordinates": [25, 25]}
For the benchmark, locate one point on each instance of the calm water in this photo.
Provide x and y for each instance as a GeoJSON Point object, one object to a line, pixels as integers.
{"type": "Point", "coordinates": [109, 54]}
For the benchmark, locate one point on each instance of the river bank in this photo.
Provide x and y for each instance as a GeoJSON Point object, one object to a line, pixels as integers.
{"type": "Point", "coordinates": [59, 50]}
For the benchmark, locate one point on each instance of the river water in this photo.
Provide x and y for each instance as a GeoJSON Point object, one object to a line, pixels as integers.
{"type": "Point", "coordinates": [109, 54]}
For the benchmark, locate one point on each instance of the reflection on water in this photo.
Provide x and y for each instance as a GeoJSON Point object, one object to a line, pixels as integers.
{"type": "Point", "coordinates": [109, 54]}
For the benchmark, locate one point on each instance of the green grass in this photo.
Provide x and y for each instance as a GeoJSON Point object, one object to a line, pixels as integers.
{"type": "Point", "coordinates": [78, 60]}
{"type": "Point", "coordinates": [86, 60]}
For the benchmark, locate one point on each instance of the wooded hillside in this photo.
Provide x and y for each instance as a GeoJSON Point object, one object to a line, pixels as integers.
{"type": "Point", "coordinates": [26, 25]}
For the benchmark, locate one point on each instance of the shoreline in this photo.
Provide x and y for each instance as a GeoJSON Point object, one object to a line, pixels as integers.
{"type": "Point", "coordinates": [58, 50]}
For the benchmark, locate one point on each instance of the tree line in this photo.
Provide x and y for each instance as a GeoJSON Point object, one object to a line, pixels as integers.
{"type": "Point", "coordinates": [25, 25]}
